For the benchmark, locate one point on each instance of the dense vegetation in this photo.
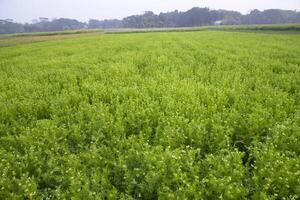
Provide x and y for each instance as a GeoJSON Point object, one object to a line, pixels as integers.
{"type": "Point", "coordinates": [186, 115]}
{"type": "Point", "coordinates": [191, 18]}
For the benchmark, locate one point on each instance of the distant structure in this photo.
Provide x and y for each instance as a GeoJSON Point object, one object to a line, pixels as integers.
{"type": "Point", "coordinates": [44, 19]}
{"type": "Point", "coordinates": [218, 23]}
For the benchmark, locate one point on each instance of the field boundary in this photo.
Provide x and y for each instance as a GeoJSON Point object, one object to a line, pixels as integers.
{"type": "Point", "coordinates": [26, 38]}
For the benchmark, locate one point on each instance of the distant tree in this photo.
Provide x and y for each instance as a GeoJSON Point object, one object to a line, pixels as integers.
{"type": "Point", "coordinates": [193, 17]}
{"type": "Point", "coordinates": [271, 16]}
{"type": "Point", "coordinates": [94, 23]}
{"type": "Point", "coordinates": [7, 27]}
{"type": "Point", "coordinates": [134, 21]}
{"type": "Point", "coordinates": [112, 23]}
{"type": "Point", "coordinates": [54, 25]}
{"type": "Point", "coordinates": [9, 20]}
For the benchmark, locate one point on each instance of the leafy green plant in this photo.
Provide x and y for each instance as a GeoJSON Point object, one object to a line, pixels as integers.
{"type": "Point", "coordinates": [178, 115]}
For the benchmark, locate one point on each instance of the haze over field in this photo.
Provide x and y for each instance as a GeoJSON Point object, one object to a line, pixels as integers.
{"type": "Point", "coordinates": [83, 10]}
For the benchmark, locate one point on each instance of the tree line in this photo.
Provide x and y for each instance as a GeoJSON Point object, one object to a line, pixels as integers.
{"type": "Point", "coordinates": [191, 18]}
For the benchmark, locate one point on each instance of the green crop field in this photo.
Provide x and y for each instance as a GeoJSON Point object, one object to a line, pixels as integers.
{"type": "Point", "coordinates": [167, 115]}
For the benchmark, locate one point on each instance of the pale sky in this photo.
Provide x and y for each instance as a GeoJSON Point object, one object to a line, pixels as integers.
{"type": "Point", "coordinates": [83, 10]}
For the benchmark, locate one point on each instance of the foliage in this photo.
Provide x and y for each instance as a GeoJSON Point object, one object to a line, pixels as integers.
{"type": "Point", "coordinates": [194, 17]}
{"type": "Point", "coordinates": [177, 115]}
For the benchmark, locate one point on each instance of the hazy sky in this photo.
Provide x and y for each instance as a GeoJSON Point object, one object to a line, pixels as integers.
{"type": "Point", "coordinates": [26, 10]}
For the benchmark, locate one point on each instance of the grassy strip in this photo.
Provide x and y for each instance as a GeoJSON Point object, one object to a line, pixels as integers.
{"type": "Point", "coordinates": [24, 38]}
{"type": "Point", "coordinates": [69, 32]}
{"type": "Point", "coordinates": [41, 37]}
{"type": "Point", "coordinates": [266, 27]}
